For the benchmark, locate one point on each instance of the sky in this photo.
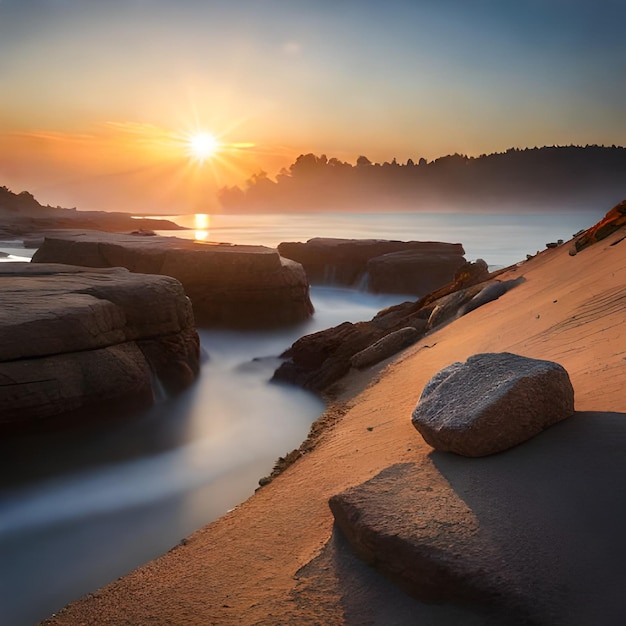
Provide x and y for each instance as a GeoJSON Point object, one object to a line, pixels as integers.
{"type": "Point", "coordinates": [100, 101]}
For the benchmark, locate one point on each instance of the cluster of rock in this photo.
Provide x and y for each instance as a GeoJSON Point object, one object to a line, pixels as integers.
{"type": "Point", "coordinates": [229, 285]}
{"type": "Point", "coordinates": [318, 360]}
{"type": "Point", "coordinates": [406, 267]}
{"type": "Point", "coordinates": [612, 221]}
{"type": "Point", "coordinates": [411, 525]}
{"type": "Point", "coordinates": [79, 342]}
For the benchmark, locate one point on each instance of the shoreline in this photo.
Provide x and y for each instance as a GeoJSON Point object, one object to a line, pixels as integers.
{"type": "Point", "coordinates": [276, 559]}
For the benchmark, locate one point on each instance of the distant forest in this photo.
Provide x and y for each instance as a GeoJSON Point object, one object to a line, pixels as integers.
{"type": "Point", "coordinates": [557, 177]}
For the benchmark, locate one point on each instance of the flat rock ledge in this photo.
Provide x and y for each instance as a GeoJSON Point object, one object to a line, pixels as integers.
{"type": "Point", "coordinates": [492, 402]}
{"type": "Point", "coordinates": [410, 525]}
{"type": "Point", "coordinates": [378, 265]}
{"type": "Point", "coordinates": [80, 342]}
{"type": "Point", "coordinates": [230, 286]}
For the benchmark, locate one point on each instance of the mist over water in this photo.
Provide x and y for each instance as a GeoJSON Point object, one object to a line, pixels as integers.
{"type": "Point", "coordinates": [501, 239]}
{"type": "Point", "coordinates": [81, 508]}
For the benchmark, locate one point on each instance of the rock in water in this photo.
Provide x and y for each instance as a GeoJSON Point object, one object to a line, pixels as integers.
{"type": "Point", "coordinates": [492, 402]}
{"type": "Point", "coordinates": [84, 341]}
{"type": "Point", "coordinates": [229, 286]}
{"type": "Point", "coordinates": [414, 271]}
{"type": "Point", "coordinates": [410, 267]}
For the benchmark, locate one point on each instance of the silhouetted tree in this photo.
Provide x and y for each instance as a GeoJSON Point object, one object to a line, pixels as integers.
{"type": "Point", "coordinates": [555, 175]}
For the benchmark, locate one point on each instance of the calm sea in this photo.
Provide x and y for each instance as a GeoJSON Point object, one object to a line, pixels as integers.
{"type": "Point", "coordinates": [79, 510]}
{"type": "Point", "coordinates": [500, 239]}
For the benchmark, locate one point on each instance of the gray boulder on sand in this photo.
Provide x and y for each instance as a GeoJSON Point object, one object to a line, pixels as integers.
{"type": "Point", "coordinates": [492, 402]}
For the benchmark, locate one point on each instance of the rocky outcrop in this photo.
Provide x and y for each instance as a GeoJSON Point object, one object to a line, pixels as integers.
{"type": "Point", "coordinates": [229, 286]}
{"type": "Point", "coordinates": [612, 221]}
{"type": "Point", "coordinates": [411, 267]}
{"type": "Point", "coordinates": [21, 215]}
{"type": "Point", "coordinates": [464, 301]}
{"type": "Point", "coordinates": [413, 528]}
{"type": "Point", "coordinates": [385, 347]}
{"type": "Point", "coordinates": [319, 360]}
{"type": "Point", "coordinates": [412, 271]}
{"type": "Point", "coordinates": [75, 341]}
{"type": "Point", "coordinates": [492, 402]}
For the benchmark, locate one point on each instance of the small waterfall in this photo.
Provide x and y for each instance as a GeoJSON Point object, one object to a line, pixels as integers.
{"type": "Point", "coordinates": [363, 282]}
{"type": "Point", "coordinates": [330, 275]}
{"type": "Point", "coordinates": [159, 394]}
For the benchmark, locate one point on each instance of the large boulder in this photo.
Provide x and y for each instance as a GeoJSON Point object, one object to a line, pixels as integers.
{"type": "Point", "coordinates": [492, 402]}
{"type": "Point", "coordinates": [85, 341]}
{"type": "Point", "coordinates": [412, 267]}
{"type": "Point", "coordinates": [229, 286]}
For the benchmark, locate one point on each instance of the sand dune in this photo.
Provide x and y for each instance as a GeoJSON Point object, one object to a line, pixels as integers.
{"type": "Point", "coordinates": [275, 558]}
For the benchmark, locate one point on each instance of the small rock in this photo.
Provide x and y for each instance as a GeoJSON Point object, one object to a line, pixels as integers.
{"type": "Point", "coordinates": [386, 347]}
{"type": "Point", "coordinates": [492, 402]}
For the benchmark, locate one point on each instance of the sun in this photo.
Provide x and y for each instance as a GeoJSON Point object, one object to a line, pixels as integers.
{"type": "Point", "coordinates": [202, 146]}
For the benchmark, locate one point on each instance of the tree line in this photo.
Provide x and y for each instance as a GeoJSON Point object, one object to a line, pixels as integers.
{"type": "Point", "coordinates": [547, 177]}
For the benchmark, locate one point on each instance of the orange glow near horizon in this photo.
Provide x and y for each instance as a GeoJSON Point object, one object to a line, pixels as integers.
{"type": "Point", "coordinates": [132, 166]}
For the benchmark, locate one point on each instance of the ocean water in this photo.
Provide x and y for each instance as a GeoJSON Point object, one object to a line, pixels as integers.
{"type": "Point", "coordinates": [500, 239]}
{"type": "Point", "coordinates": [79, 509]}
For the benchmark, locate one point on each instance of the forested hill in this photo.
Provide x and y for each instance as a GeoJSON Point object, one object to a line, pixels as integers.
{"type": "Point", "coordinates": [568, 177]}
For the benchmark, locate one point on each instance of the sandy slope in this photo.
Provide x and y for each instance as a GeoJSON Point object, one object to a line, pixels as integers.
{"type": "Point", "coordinates": [275, 559]}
